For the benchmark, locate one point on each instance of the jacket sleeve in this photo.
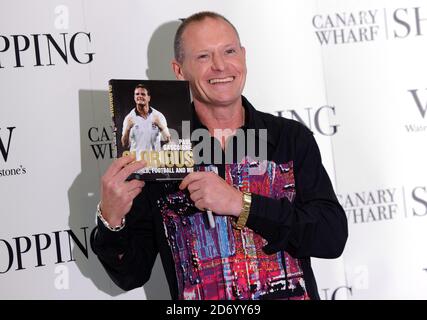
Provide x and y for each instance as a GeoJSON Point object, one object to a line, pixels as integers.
{"type": "Point", "coordinates": [314, 224]}
{"type": "Point", "coordinates": [128, 255]}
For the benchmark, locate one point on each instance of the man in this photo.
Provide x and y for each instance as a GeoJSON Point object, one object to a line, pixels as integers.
{"type": "Point", "coordinates": [144, 126]}
{"type": "Point", "coordinates": [268, 225]}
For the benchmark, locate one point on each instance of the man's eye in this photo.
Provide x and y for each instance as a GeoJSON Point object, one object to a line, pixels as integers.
{"type": "Point", "coordinates": [202, 56]}
{"type": "Point", "coordinates": [230, 51]}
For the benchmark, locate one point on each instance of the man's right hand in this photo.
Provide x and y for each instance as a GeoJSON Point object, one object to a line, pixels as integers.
{"type": "Point", "coordinates": [117, 194]}
{"type": "Point", "coordinates": [130, 124]}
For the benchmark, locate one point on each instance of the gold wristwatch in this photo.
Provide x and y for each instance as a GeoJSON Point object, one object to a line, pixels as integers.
{"type": "Point", "coordinates": [240, 223]}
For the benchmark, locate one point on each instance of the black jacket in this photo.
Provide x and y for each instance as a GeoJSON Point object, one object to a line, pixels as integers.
{"type": "Point", "coordinates": [313, 225]}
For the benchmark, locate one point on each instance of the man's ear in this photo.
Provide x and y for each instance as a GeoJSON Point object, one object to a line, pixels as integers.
{"type": "Point", "coordinates": [177, 69]}
{"type": "Point", "coordinates": [244, 52]}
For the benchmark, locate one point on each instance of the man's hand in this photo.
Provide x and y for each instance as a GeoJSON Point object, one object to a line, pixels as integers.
{"type": "Point", "coordinates": [164, 130]}
{"type": "Point", "coordinates": [116, 193]}
{"type": "Point", "coordinates": [210, 191]}
{"type": "Point", "coordinates": [157, 122]}
{"type": "Point", "coordinates": [125, 137]}
{"type": "Point", "coordinates": [130, 124]}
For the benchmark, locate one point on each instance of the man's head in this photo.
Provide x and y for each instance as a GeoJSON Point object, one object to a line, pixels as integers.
{"type": "Point", "coordinates": [196, 17]}
{"type": "Point", "coordinates": [142, 98]}
{"type": "Point", "coordinates": [209, 55]}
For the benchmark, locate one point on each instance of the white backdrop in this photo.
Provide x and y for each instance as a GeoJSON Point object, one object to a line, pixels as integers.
{"type": "Point", "coordinates": [352, 71]}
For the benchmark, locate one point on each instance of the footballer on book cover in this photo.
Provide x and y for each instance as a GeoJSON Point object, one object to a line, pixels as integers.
{"type": "Point", "coordinates": [151, 119]}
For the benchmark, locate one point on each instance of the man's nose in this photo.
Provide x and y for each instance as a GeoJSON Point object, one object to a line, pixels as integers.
{"type": "Point", "coordinates": [218, 63]}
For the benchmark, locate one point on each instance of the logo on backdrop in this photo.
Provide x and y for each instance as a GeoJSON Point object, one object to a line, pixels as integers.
{"type": "Point", "coordinates": [370, 25]}
{"type": "Point", "coordinates": [383, 205]}
{"type": "Point", "coordinates": [6, 148]}
{"type": "Point", "coordinates": [419, 102]}
{"type": "Point", "coordinates": [46, 49]}
{"type": "Point", "coordinates": [101, 142]}
{"type": "Point", "coordinates": [339, 293]}
{"type": "Point", "coordinates": [29, 251]}
{"type": "Point", "coordinates": [316, 119]}
{"type": "Point", "coordinates": [418, 200]}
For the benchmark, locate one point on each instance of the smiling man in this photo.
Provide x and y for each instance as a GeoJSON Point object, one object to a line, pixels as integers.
{"type": "Point", "coordinates": [268, 223]}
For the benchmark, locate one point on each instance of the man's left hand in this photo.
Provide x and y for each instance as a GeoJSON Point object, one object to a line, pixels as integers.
{"type": "Point", "coordinates": [210, 192]}
{"type": "Point", "coordinates": [157, 122]}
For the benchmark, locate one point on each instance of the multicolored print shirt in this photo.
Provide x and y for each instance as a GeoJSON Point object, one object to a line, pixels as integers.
{"type": "Point", "coordinates": [225, 263]}
{"type": "Point", "coordinates": [294, 215]}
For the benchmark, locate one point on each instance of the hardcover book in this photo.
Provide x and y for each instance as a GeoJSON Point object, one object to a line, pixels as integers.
{"type": "Point", "coordinates": [151, 119]}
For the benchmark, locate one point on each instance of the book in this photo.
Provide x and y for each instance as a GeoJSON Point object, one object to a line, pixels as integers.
{"type": "Point", "coordinates": [151, 119]}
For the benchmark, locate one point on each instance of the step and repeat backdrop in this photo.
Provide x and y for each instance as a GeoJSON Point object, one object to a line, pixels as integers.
{"type": "Point", "coordinates": [354, 72]}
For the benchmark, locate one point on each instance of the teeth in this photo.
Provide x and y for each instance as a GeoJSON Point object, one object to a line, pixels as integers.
{"type": "Point", "coordinates": [221, 80]}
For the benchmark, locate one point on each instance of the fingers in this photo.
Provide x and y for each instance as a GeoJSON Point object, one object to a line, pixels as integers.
{"type": "Point", "coordinates": [118, 164]}
{"type": "Point", "coordinates": [194, 186]}
{"type": "Point", "coordinates": [130, 168]}
{"type": "Point", "coordinates": [133, 193]}
{"type": "Point", "coordinates": [117, 197]}
{"type": "Point", "coordinates": [134, 184]}
{"type": "Point", "coordinates": [190, 178]}
{"type": "Point", "coordinates": [201, 205]}
{"type": "Point", "coordinates": [197, 195]}
{"type": "Point", "coordinates": [115, 176]}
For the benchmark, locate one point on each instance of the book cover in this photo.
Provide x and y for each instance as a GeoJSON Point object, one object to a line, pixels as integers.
{"type": "Point", "coordinates": [151, 119]}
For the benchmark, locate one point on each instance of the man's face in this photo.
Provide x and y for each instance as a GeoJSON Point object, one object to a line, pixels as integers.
{"type": "Point", "coordinates": [214, 62]}
{"type": "Point", "coordinates": [142, 99]}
